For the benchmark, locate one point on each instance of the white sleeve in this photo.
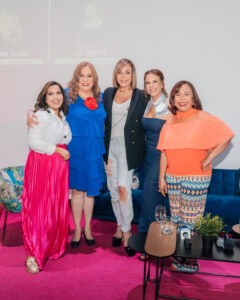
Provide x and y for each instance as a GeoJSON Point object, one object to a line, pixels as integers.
{"type": "Point", "coordinates": [69, 134]}
{"type": "Point", "coordinates": [69, 138]}
{"type": "Point", "coordinates": [36, 137]}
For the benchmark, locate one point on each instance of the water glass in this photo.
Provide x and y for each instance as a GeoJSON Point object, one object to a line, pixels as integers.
{"type": "Point", "coordinates": [160, 214]}
{"type": "Point", "coordinates": [167, 228]}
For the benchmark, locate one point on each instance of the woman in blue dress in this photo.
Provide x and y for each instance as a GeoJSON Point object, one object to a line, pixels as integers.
{"type": "Point", "coordinates": [86, 169]}
{"type": "Point", "coordinates": [153, 120]}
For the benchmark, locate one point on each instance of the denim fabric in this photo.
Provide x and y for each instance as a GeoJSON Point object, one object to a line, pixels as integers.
{"type": "Point", "coordinates": [120, 176]}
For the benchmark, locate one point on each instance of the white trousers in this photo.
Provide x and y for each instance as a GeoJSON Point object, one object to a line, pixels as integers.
{"type": "Point", "coordinates": [119, 176]}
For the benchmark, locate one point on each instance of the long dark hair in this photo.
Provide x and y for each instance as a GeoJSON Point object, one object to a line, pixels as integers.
{"type": "Point", "coordinates": [41, 99]}
{"type": "Point", "coordinates": [196, 101]}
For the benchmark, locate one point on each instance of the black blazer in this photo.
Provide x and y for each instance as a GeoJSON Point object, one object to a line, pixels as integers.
{"type": "Point", "coordinates": [134, 134]}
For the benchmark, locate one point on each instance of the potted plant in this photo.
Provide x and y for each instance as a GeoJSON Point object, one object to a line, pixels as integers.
{"type": "Point", "coordinates": [209, 227]}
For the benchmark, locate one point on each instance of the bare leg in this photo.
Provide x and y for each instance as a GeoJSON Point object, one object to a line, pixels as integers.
{"type": "Point", "coordinates": [77, 203]}
{"type": "Point", "coordinates": [118, 234]}
{"type": "Point", "coordinates": [126, 236]}
{"type": "Point", "coordinates": [123, 198]}
{"type": "Point", "coordinates": [88, 210]}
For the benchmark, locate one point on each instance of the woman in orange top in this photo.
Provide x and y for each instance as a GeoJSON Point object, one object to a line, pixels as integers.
{"type": "Point", "coordinates": [190, 139]}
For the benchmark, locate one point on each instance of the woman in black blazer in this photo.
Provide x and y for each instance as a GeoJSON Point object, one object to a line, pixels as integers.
{"type": "Point", "coordinates": [125, 143]}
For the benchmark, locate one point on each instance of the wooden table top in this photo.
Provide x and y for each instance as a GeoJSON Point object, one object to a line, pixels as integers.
{"type": "Point", "coordinates": [159, 244]}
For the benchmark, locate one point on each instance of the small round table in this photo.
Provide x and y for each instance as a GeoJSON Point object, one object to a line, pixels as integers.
{"type": "Point", "coordinates": [155, 244]}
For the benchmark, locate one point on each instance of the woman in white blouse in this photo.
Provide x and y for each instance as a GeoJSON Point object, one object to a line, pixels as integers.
{"type": "Point", "coordinates": [45, 186]}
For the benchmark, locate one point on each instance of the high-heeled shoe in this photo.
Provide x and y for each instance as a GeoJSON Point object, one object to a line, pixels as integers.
{"type": "Point", "coordinates": [130, 252]}
{"type": "Point", "coordinates": [116, 242]}
{"type": "Point", "coordinates": [75, 244]}
{"type": "Point", "coordinates": [90, 242]}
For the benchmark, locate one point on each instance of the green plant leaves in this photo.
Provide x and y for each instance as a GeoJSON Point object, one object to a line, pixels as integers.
{"type": "Point", "coordinates": [209, 226]}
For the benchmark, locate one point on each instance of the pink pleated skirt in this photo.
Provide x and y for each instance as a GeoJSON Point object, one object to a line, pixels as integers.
{"type": "Point", "coordinates": [45, 206]}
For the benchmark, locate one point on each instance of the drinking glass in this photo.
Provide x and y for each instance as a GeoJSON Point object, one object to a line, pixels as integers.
{"type": "Point", "coordinates": [160, 214]}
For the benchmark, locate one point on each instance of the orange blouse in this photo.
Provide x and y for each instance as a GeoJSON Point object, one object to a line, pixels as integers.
{"type": "Point", "coordinates": [187, 137]}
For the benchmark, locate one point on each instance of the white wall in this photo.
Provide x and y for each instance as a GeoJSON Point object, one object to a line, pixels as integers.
{"type": "Point", "coordinates": [44, 40]}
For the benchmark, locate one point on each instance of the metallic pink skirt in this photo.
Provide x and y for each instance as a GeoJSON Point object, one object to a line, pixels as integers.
{"type": "Point", "coordinates": [45, 206]}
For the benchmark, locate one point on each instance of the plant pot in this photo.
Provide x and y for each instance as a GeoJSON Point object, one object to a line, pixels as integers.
{"type": "Point", "coordinates": [207, 242]}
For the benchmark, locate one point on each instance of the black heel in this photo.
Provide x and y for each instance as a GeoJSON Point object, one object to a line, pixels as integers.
{"type": "Point", "coordinates": [130, 252]}
{"type": "Point", "coordinates": [90, 242]}
{"type": "Point", "coordinates": [75, 244]}
{"type": "Point", "coordinates": [116, 242]}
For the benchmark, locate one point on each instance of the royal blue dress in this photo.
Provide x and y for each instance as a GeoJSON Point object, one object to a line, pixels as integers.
{"type": "Point", "coordinates": [151, 195]}
{"type": "Point", "coordinates": [86, 167]}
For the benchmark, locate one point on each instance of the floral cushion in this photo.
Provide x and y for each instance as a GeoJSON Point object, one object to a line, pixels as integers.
{"type": "Point", "coordinates": [11, 185]}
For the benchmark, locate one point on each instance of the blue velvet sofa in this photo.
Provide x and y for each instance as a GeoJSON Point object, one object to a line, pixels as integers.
{"type": "Point", "coordinates": [223, 198]}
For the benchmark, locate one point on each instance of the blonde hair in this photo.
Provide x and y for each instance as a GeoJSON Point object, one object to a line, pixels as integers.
{"type": "Point", "coordinates": [119, 65]}
{"type": "Point", "coordinates": [73, 84]}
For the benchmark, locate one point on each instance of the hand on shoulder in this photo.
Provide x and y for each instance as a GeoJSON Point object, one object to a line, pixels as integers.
{"type": "Point", "coordinates": [108, 90]}
{"type": "Point", "coordinates": [41, 115]}
{"type": "Point", "coordinates": [168, 118]}
{"type": "Point", "coordinates": [32, 118]}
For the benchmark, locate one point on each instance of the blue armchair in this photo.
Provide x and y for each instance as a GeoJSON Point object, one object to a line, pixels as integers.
{"type": "Point", "coordinates": [223, 198]}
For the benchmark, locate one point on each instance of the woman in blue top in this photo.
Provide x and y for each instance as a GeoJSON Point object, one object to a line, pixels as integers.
{"type": "Point", "coordinates": [153, 120]}
{"type": "Point", "coordinates": [86, 169]}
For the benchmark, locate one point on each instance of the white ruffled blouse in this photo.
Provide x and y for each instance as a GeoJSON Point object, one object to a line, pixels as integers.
{"type": "Point", "coordinates": [50, 131]}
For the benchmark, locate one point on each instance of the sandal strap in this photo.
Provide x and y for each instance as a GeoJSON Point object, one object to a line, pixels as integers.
{"type": "Point", "coordinates": [185, 266]}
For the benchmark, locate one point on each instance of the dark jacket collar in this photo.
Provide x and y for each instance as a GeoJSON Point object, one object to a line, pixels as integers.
{"type": "Point", "coordinates": [132, 104]}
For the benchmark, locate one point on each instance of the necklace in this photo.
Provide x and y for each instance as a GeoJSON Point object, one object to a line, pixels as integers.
{"type": "Point", "coordinates": [123, 95]}
{"type": "Point", "coordinates": [125, 90]}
